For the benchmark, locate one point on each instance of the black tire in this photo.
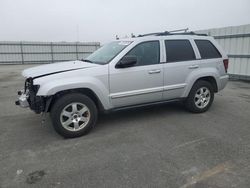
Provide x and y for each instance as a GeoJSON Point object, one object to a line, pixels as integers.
{"type": "Point", "coordinates": [60, 105]}
{"type": "Point", "coordinates": [190, 101]}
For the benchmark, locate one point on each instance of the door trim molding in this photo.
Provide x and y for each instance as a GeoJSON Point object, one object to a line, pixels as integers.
{"type": "Point", "coordinates": [146, 91]}
{"type": "Point", "coordinates": [136, 92]}
{"type": "Point", "coordinates": [172, 87]}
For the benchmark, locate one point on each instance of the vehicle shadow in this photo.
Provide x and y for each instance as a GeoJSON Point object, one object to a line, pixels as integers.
{"type": "Point", "coordinates": [107, 122]}
{"type": "Point", "coordinates": [139, 114]}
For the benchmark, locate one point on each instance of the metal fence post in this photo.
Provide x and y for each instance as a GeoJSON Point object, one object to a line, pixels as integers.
{"type": "Point", "coordinates": [21, 48]}
{"type": "Point", "coordinates": [51, 50]}
{"type": "Point", "coordinates": [76, 50]}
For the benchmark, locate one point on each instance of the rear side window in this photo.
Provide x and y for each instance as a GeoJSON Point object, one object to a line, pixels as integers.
{"type": "Point", "coordinates": [207, 49]}
{"type": "Point", "coordinates": [179, 50]}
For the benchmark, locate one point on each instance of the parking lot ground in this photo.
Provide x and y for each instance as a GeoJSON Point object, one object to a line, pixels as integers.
{"type": "Point", "coordinates": [160, 146]}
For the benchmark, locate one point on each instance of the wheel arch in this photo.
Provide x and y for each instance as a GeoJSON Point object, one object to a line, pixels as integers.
{"type": "Point", "coordinates": [86, 91]}
{"type": "Point", "coordinates": [209, 78]}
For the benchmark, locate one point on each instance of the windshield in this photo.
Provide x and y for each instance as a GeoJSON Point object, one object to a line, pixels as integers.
{"type": "Point", "coordinates": [107, 52]}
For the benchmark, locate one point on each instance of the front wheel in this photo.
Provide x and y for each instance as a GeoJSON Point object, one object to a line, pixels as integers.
{"type": "Point", "coordinates": [200, 97]}
{"type": "Point", "coordinates": [73, 115]}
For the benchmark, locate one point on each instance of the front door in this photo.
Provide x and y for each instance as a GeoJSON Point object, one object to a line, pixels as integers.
{"type": "Point", "coordinates": [141, 83]}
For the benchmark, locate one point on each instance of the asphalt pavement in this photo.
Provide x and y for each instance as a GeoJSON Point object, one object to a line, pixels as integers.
{"type": "Point", "coordinates": [160, 146]}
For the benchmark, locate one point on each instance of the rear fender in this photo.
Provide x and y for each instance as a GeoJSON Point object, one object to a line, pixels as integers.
{"type": "Point", "coordinates": [195, 75]}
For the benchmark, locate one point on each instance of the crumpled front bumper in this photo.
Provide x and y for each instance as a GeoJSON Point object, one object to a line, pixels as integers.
{"type": "Point", "coordinates": [28, 98]}
{"type": "Point", "coordinates": [22, 100]}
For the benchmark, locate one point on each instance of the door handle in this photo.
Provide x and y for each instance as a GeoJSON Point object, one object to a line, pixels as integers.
{"type": "Point", "coordinates": [154, 71]}
{"type": "Point", "coordinates": [193, 67]}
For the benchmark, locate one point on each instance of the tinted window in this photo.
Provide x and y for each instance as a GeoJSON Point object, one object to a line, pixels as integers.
{"type": "Point", "coordinates": [147, 53]}
{"type": "Point", "coordinates": [179, 50]}
{"type": "Point", "coordinates": [207, 49]}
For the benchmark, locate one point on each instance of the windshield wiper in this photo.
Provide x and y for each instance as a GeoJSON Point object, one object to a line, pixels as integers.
{"type": "Point", "coordinates": [94, 62]}
{"type": "Point", "coordinates": [86, 60]}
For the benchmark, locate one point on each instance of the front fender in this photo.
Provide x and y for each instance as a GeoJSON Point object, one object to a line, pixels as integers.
{"type": "Point", "coordinates": [54, 86]}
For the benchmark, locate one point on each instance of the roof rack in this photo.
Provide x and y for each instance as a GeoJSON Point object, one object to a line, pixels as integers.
{"type": "Point", "coordinates": [174, 32]}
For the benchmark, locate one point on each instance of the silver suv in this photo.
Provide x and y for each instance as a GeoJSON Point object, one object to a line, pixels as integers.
{"type": "Point", "coordinates": [143, 70]}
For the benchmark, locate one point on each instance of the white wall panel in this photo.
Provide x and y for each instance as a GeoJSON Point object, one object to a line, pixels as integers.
{"type": "Point", "coordinates": [243, 66]}
{"type": "Point", "coordinates": [36, 48]}
{"type": "Point", "coordinates": [82, 48]}
{"type": "Point", "coordinates": [10, 48]}
{"type": "Point", "coordinates": [8, 58]}
{"type": "Point", "coordinates": [234, 45]}
{"type": "Point", "coordinates": [37, 57]}
{"type": "Point", "coordinates": [248, 66]}
{"type": "Point", "coordinates": [64, 56]}
{"type": "Point", "coordinates": [64, 48]}
{"type": "Point", "coordinates": [232, 62]}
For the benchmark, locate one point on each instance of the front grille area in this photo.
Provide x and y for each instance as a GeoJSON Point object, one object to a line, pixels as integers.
{"type": "Point", "coordinates": [37, 103]}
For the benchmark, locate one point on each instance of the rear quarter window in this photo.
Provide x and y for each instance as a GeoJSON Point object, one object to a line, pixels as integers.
{"type": "Point", "coordinates": [207, 49]}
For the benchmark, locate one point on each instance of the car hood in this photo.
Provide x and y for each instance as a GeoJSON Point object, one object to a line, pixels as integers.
{"type": "Point", "coordinates": [44, 70]}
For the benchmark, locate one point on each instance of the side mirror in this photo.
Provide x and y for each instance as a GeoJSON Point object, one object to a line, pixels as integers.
{"type": "Point", "coordinates": [127, 61]}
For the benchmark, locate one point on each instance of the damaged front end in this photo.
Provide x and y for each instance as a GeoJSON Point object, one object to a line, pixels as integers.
{"type": "Point", "coordinates": [28, 97]}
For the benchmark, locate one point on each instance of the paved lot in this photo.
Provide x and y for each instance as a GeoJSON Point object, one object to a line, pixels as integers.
{"type": "Point", "coordinates": [163, 146]}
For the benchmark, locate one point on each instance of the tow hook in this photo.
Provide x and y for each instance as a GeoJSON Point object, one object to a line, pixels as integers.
{"type": "Point", "coordinates": [18, 102]}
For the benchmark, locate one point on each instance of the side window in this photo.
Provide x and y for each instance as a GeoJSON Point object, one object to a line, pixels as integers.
{"type": "Point", "coordinates": [207, 49]}
{"type": "Point", "coordinates": [179, 50]}
{"type": "Point", "coordinates": [147, 53]}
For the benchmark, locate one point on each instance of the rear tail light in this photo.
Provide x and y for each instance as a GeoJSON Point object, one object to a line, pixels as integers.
{"type": "Point", "coordinates": [225, 62]}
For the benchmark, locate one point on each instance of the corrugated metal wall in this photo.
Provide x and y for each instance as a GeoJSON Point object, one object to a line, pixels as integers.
{"type": "Point", "coordinates": [236, 42]}
{"type": "Point", "coordinates": [44, 52]}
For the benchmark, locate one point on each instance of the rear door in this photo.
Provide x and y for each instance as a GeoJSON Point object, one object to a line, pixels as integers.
{"type": "Point", "coordinates": [180, 62]}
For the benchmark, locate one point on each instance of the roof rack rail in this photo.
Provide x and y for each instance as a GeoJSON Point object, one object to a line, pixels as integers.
{"type": "Point", "coordinates": [183, 33]}
{"type": "Point", "coordinates": [178, 30]}
{"type": "Point", "coordinates": [174, 32]}
{"type": "Point", "coordinates": [149, 34]}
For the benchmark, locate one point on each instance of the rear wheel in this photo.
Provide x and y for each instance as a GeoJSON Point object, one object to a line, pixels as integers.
{"type": "Point", "coordinates": [73, 115]}
{"type": "Point", "coordinates": [200, 97]}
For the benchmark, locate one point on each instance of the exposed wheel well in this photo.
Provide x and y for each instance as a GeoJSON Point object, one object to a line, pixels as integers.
{"type": "Point", "coordinates": [211, 80]}
{"type": "Point", "coordinates": [85, 91]}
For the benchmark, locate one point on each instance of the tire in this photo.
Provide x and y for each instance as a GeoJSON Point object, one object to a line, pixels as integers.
{"type": "Point", "coordinates": [73, 115]}
{"type": "Point", "coordinates": [200, 97]}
